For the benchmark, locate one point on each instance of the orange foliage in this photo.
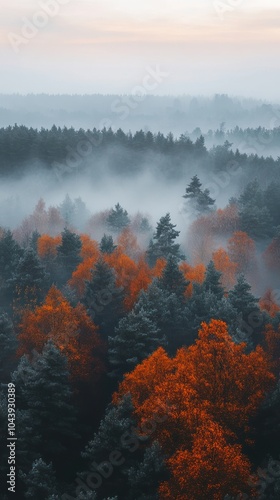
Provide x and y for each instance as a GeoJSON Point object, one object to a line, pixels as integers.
{"type": "Point", "coordinates": [225, 221]}
{"type": "Point", "coordinates": [90, 248]}
{"type": "Point", "coordinates": [200, 240]}
{"type": "Point", "coordinates": [194, 274]}
{"type": "Point", "coordinates": [210, 470]}
{"type": "Point", "coordinates": [241, 250]}
{"type": "Point", "coordinates": [268, 304]}
{"type": "Point", "coordinates": [81, 274]}
{"type": "Point", "coordinates": [159, 267]}
{"type": "Point", "coordinates": [205, 397]}
{"type": "Point", "coordinates": [215, 373]}
{"type": "Point", "coordinates": [125, 269]}
{"type": "Point", "coordinates": [70, 329]}
{"type": "Point", "coordinates": [141, 281]}
{"type": "Point", "coordinates": [47, 246]}
{"type": "Point", "coordinates": [127, 243]}
{"type": "Point", "coordinates": [224, 265]}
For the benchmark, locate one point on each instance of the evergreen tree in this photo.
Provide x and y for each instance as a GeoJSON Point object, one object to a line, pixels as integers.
{"type": "Point", "coordinates": [135, 338]}
{"type": "Point", "coordinates": [117, 433]}
{"type": "Point", "coordinates": [40, 481]}
{"type": "Point", "coordinates": [212, 281]}
{"type": "Point", "coordinates": [30, 280]}
{"type": "Point", "coordinates": [168, 312]}
{"type": "Point", "coordinates": [172, 279]}
{"type": "Point", "coordinates": [10, 254]}
{"type": "Point", "coordinates": [103, 299]}
{"type": "Point", "coordinates": [68, 255]}
{"type": "Point", "coordinates": [255, 218]}
{"type": "Point", "coordinates": [8, 346]}
{"type": "Point", "coordinates": [67, 210]}
{"type": "Point", "coordinates": [118, 219]}
{"type": "Point", "coordinates": [46, 415]}
{"type": "Point", "coordinates": [198, 199]}
{"type": "Point", "coordinates": [144, 479]}
{"type": "Point", "coordinates": [163, 244]}
{"type": "Point", "coordinates": [107, 244]}
{"type": "Point", "coordinates": [251, 320]}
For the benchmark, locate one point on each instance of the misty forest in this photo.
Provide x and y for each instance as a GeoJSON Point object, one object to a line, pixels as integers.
{"type": "Point", "coordinates": [140, 300]}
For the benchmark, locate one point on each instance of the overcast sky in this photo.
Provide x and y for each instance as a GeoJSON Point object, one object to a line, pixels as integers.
{"type": "Point", "coordinates": [106, 46]}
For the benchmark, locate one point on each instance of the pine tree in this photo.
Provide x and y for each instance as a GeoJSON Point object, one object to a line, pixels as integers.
{"type": "Point", "coordinates": [135, 338]}
{"type": "Point", "coordinates": [103, 299]}
{"type": "Point", "coordinates": [67, 210]}
{"type": "Point", "coordinates": [8, 346]}
{"type": "Point", "coordinates": [30, 280]}
{"type": "Point", "coordinates": [10, 254]}
{"type": "Point", "coordinates": [117, 433]}
{"type": "Point", "coordinates": [163, 244]}
{"type": "Point", "coordinates": [107, 244]}
{"type": "Point", "coordinates": [46, 415]}
{"type": "Point", "coordinates": [251, 320]}
{"type": "Point", "coordinates": [212, 281]}
{"type": "Point", "coordinates": [68, 255]}
{"type": "Point", "coordinates": [40, 481]}
{"type": "Point", "coordinates": [172, 279]}
{"type": "Point", "coordinates": [198, 199]}
{"type": "Point", "coordinates": [255, 218]}
{"type": "Point", "coordinates": [168, 312]}
{"type": "Point", "coordinates": [144, 479]}
{"type": "Point", "coordinates": [118, 219]}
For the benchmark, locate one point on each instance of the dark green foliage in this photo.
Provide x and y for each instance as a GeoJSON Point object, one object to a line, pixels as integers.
{"type": "Point", "coordinates": [168, 312]}
{"type": "Point", "coordinates": [163, 244]}
{"type": "Point", "coordinates": [172, 279]}
{"type": "Point", "coordinates": [10, 253]}
{"type": "Point", "coordinates": [135, 338]}
{"type": "Point", "coordinates": [212, 281]}
{"type": "Point", "coordinates": [40, 481]}
{"type": "Point", "coordinates": [46, 418]}
{"type": "Point", "coordinates": [118, 219]}
{"type": "Point", "coordinates": [146, 476]}
{"type": "Point", "coordinates": [103, 299]}
{"type": "Point", "coordinates": [255, 218]}
{"type": "Point", "coordinates": [68, 255]}
{"type": "Point", "coordinates": [199, 200]}
{"type": "Point", "coordinates": [107, 244]}
{"type": "Point", "coordinates": [30, 280]}
{"type": "Point", "coordinates": [8, 346]}
{"type": "Point", "coordinates": [251, 319]}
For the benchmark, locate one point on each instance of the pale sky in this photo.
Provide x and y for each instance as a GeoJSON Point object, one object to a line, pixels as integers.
{"type": "Point", "coordinates": [106, 46]}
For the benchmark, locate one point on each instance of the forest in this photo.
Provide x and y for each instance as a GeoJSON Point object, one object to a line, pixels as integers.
{"type": "Point", "coordinates": [144, 356]}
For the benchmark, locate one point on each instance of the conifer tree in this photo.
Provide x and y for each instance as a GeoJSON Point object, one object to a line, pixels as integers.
{"type": "Point", "coordinates": [107, 244]}
{"type": "Point", "coordinates": [46, 414]}
{"type": "Point", "coordinates": [8, 346]}
{"type": "Point", "coordinates": [40, 481]}
{"type": "Point", "coordinates": [212, 281]}
{"type": "Point", "coordinates": [117, 219]}
{"type": "Point", "coordinates": [68, 255]}
{"type": "Point", "coordinates": [163, 244]}
{"type": "Point", "coordinates": [103, 299]}
{"type": "Point", "coordinates": [135, 338]}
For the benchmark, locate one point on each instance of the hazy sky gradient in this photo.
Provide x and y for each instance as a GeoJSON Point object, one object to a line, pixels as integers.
{"type": "Point", "coordinates": [106, 45]}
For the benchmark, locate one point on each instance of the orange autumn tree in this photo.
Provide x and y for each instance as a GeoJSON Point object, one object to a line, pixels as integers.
{"type": "Point", "coordinates": [70, 329]}
{"type": "Point", "coordinates": [212, 383]}
{"type": "Point", "coordinates": [209, 470]}
{"type": "Point", "coordinates": [125, 269]}
{"type": "Point", "coordinates": [127, 243]}
{"type": "Point", "coordinates": [241, 250]}
{"type": "Point", "coordinates": [141, 281]}
{"type": "Point", "coordinates": [268, 303]}
{"type": "Point", "coordinates": [90, 254]}
{"type": "Point", "coordinates": [194, 274]}
{"type": "Point", "coordinates": [47, 246]}
{"type": "Point", "coordinates": [224, 265]}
